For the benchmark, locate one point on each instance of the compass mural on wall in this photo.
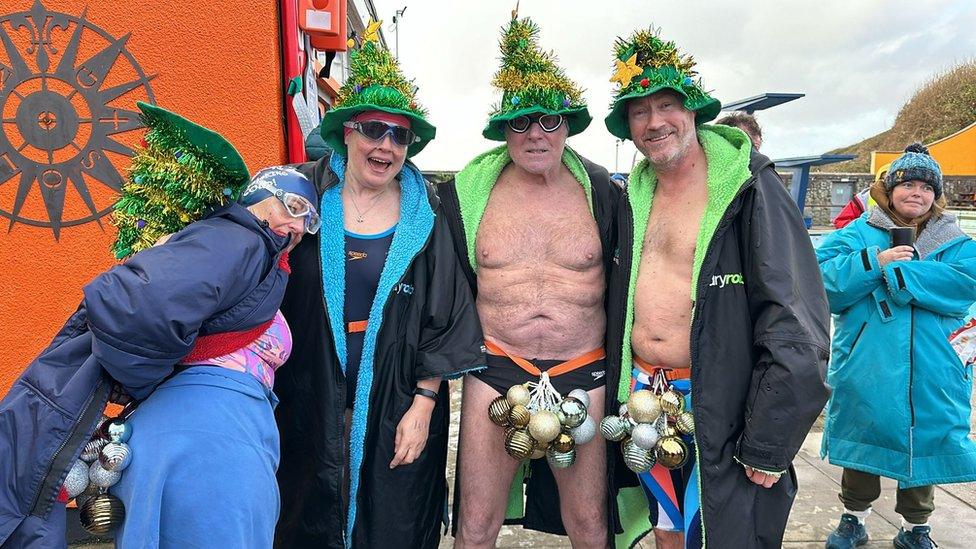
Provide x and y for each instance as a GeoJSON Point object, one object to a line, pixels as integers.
{"type": "Point", "coordinates": [60, 115]}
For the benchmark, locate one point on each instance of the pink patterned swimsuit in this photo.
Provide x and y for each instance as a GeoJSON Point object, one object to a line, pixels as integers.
{"type": "Point", "coordinates": [262, 356]}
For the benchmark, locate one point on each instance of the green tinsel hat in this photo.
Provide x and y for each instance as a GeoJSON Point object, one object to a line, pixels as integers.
{"type": "Point", "coordinates": [531, 82]}
{"type": "Point", "coordinates": [182, 171]}
{"type": "Point", "coordinates": [375, 83]}
{"type": "Point", "coordinates": [646, 64]}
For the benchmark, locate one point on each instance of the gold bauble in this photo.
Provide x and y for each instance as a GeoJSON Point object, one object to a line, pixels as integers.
{"type": "Point", "coordinates": [572, 412]}
{"type": "Point", "coordinates": [498, 411]}
{"type": "Point", "coordinates": [544, 426]}
{"type": "Point", "coordinates": [519, 416]}
{"type": "Point", "coordinates": [685, 423]}
{"type": "Point", "coordinates": [518, 394]}
{"type": "Point", "coordinates": [643, 406]}
{"type": "Point", "coordinates": [673, 402]}
{"type": "Point", "coordinates": [564, 443]}
{"type": "Point", "coordinates": [519, 444]}
{"type": "Point", "coordinates": [672, 452]}
{"type": "Point", "coordinates": [101, 514]}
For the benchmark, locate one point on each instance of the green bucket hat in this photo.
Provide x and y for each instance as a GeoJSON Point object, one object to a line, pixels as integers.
{"type": "Point", "coordinates": [208, 143]}
{"type": "Point", "coordinates": [375, 83]}
{"type": "Point", "coordinates": [646, 64]}
{"type": "Point", "coordinates": [532, 83]}
{"type": "Point", "coordinates": [181, 172]}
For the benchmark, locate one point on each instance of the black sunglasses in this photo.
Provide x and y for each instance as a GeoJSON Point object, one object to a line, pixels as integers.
{"type": "Point", "coordinates": [548, 122]}
{"type": "Point", "coordinates": [376, 131]}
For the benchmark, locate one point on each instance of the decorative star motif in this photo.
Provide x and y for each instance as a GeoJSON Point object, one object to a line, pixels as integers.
{"type": "Point", "coordinates": [626, 71]}
{"type": "Point", "coordinates": [372, 32]}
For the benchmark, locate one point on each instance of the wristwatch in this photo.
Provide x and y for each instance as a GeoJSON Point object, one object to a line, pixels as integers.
{"type": "Point", "coordinates": [426, 392]}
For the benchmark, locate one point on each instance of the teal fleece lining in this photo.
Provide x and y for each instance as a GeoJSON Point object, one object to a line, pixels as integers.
{"type": "Point", "coordinates": [412, 231]}
{"type": "Point", "coordinates": [474, 183]}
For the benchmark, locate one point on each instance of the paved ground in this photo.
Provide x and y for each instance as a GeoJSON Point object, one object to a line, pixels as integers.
{"type": "Point", "coordinates": [815, 511]}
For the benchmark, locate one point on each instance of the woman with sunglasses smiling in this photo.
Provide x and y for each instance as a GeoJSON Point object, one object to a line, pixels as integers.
{"type": "Point", "coordinates": [383, 317]}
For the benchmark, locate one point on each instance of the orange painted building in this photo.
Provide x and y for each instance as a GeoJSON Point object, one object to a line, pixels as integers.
{"type": "Point", "coordinates": [956, 154]}
{"type": "Point", "coordinates": [70, 75]}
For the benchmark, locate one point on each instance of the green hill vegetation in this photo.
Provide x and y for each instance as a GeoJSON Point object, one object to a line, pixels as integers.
{"type": "Point", "coordinates": [939, 108]}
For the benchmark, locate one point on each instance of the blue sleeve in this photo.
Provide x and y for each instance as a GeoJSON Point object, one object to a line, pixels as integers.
{"type": "Point", "coordinates": [145, 314]}
{"type": "Point", "coordinates": [944, 287]}
{"type": "Point", "coordinates": [850, 269]}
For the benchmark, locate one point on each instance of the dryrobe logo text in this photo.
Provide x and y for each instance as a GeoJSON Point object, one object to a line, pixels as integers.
{"type": "Point", "coordinates": [724, 280]}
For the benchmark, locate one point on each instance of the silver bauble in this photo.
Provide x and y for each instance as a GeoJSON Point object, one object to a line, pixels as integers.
{"type": "Point", "coordinates": [685, 423]}
{"type": "Point", "coordinates": [673, 402]}
{"type": "Point", "coordinates": [582, 396]}
{"type": "Point", "coordinates": [498, 411]}
{"type": "Point", "coordinates": [544, 426]}
{"type": "Point", "coordinates": [92, 449]}
{"type": "Point", "coordinates": [636, 458]}
{"type": "Point", "coordinates": [613, 428]}
{"type": "Point", "coordinates": [518, 394]}
{"type": "Point", "coordinates": [119, 431]}
{"type": "Point", "coordinates": [585, 432]}
{"type": "Point", "coordinates": [645, 436]}
{"type": "Point", "coordinates": [115, 456]}
{"type": "Point", "coordinates": [77, 479]}
{"type": "Point", "coordinates": [560, 460]}
{"type": "Point", "coordinates": [100, 477]}
{"type": "Point", "coordinates": [573, 412]}
{"type": "Point", "coordinates": [643, 406]}
{"type": "Point", "coordinates": [101, 514]}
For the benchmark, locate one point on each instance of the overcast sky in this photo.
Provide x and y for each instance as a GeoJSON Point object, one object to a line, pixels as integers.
{"type": "Point", "coordinates": [857, 61]}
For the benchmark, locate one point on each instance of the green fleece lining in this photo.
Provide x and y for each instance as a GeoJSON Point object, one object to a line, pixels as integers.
{"type": "Point", "coordinates": [475, 182]}
{"type": "Point", "coordinates": [727, 152]}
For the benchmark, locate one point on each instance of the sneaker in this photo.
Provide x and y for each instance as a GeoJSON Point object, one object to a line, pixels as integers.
{"type": "Point", "coordinates": [916, 538]}
{"type": "Point", "coordinates": [849, 533]}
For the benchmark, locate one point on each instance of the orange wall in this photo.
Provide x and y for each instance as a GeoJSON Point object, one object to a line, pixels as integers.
{"type": "Point", "coordinates": [218, 63]}
{"type": "Point", "coordinates": [956, 154]}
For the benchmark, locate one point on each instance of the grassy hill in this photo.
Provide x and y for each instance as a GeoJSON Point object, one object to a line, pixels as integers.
{"type": "Point", "coordinates": [941, 107]}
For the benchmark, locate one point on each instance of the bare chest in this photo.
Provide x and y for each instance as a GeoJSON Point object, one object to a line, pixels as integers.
{"type": "Point", "coordinates": [526, 229]}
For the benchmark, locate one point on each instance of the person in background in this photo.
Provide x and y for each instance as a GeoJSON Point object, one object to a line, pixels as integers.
{"type": "Point", "coordinates": [745, 122]}
{"type": "Point", "coordinates": [900, 407]}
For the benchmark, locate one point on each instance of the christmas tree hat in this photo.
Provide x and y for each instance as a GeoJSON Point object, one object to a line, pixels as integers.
{"type": "Point", "coordinates": [646, 64]}
{"type": "Point", "coordinates": [531, 83]}
{"type": "Point", "coordinates": [375, 83]}
{"type": "Point", "coordinates": [182, 172]}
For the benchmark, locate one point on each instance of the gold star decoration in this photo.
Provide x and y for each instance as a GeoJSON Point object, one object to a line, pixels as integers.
{"type": "Point", "coordinates": [626, 71]}
{"type": "Point", "coordinates": [372, 32]}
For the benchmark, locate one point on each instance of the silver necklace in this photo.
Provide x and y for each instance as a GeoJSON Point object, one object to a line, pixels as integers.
{"type": "Point", "coordinates": [361, 213]}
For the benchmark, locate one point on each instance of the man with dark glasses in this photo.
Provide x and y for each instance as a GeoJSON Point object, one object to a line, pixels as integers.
{"type": "Point", "coordinates": [533, 223]}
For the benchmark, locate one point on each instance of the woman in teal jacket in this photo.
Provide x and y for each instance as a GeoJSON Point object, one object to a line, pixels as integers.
{"type": "Point", "coordinates": [901, 396]}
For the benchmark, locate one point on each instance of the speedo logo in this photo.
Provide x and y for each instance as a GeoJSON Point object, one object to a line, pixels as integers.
{"type": "Point", "coordinates": [723, 280]}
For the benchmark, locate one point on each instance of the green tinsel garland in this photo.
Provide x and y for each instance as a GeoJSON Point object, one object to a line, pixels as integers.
{"type": "Point", "coordinates": [170, 184]}
{"type": "Point", "coordinates": [375, 78]}
{"type": "Point", "coordinates": [531, 75]}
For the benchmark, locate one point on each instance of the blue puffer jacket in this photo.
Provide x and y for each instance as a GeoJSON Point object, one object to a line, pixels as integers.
{"type": "Point", "coordinates": [901, 396]}
{"type": "Point", "coordinates": [136, 322]}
